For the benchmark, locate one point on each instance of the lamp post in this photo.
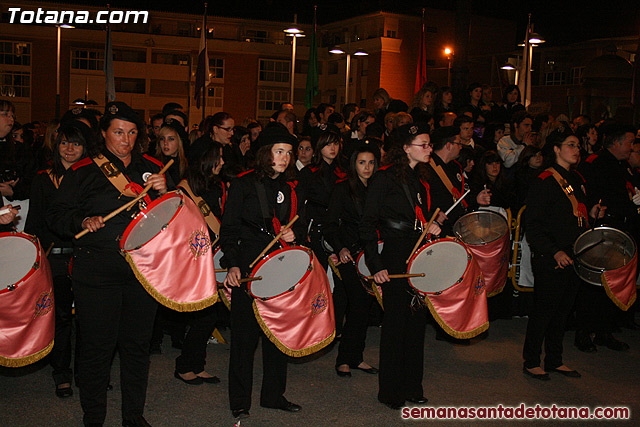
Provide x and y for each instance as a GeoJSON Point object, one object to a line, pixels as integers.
{"type": "Point", "coordinates": [531, 39]}
{"type": "Point", "coordinates": [295, 33]}
{"type": "Point", "coordinates": [59, 27]}
{"type": "Point", "coordinates": [449, 53]}
{"type": "Point", "coordinates": [339, 51]}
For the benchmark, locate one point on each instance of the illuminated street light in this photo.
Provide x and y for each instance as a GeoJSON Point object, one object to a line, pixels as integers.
{"type": "Point", "coordinates": [449, 53]}
{"type": "Point", "coordinates": [295, 33]}
{"type": "Point", "coordinates": [339, 51]}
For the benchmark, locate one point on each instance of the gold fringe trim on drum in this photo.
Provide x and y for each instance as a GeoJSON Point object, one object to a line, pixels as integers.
{"type": "Point", "coordinates": [19, 362]}
{"type": "Point", "coordinates": [174, 305]}
{"type": "Point", "coordinates": [376, 292]}
{"type": "Point", "coordinates": [224, 299]}
{"type": "Point", "coordinates": [497, 291]}
{"type": "Point", "coordinates": [612, 296]}
{"type": "Point", "coordinates": [460, 335]}
{"type": "Point", "coordinates": [283, 348]}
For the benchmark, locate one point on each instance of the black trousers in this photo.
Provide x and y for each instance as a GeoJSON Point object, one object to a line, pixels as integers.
{"type": "Point", "coordinates": [113, 316]}
{"type": "Point", "coordinates": [245, 333]}
{"type": "Point", "coordinates": [60, 356]}
{"type": "Point", "coordinates": [595, 312]}
{"type": "Point", "coordinates": [554, 294]}
{"type": "Point", "coordinates": [194, 348]}
{"type": "Point", "coordinates": [403, 328]}
{"type": "Point", "coordinates": [354, 332]}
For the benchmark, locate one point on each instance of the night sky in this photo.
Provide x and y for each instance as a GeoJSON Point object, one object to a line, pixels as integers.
{"type": "Point", "coordinates": [558, 21]}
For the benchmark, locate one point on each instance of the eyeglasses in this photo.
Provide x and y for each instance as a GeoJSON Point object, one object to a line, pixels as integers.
{"type": "Point", "coordinates": [424, 146]}
{"type": "Point", "coordinates": [228, 129]}
{"type": "Point", "coordinates": [571, 145]}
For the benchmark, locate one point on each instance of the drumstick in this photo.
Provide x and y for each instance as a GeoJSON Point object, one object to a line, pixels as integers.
{"type": "Point", "coordinates": [457, 202]}
{"type": "Point", "coordinates": [49, 250]}
{"type": "Point", "coordinates": [250, 279]}
{"type": "Point", "coordinates": [275, 239]}
{"type": "Point", "coordinates": [129, 204]}
{"type": "Point", "coordinates": [7, 210]}
{"type": "Point", "coordinates": [425, 230]}
{"type": "Point", "coordinates": [400, 276]}
{"type": "Point", "coordinates": [221, 270]}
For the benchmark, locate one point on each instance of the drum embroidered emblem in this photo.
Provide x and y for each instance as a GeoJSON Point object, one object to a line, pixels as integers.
{"type": "Point", "coordinates": [479, 286]}
{"type": "Point", "coordinates": [318, 304]}
{"type": "Point", "coordinates": [145, 176]}
{"type": "Point", "coordinates": [280, 198]}
{"type": "Point", "coordinates": [44, 304]}
{"type": "Point", "coordinates": [199, 243]}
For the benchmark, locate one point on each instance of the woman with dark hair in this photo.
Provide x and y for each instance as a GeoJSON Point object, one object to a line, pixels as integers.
{"type": "Point", "coordinates": [444, 101]}
{"type": "Point", "coordinates": [358, 130]}
{"type": "Point", "coordinates": [112, 308]}
{"type": "Point", "coordinates": [245, 232]}
{"type": "Point", "coordinates": [477, 107]}
{"type": "Point", "coordinates": [241, 156]}
{"type": "Point", "coordinates": [489, 175]}
{"type": "Point", "coordinates": [16, 163]}
{"type": "Point", "coordinates": [397, 200]}
{"type": "Point", "coordinates": [511, 104]}
{"type": "Point", "coordinates": [203, 185]}
{"type": "Point", "coordinates": [341, 231]}
{"type": "Point", "coordinates": [221, 127]}
{"type": "Point", "coordinates": [555, 218]}
{"type": "Point", "coordinates": [74, 141]}
{"type": "Point", "coordinates": [310, 121]}
{"type": "Point", "coordinates": [588, 137]}
{"type": "Point", "coordinates": [493, 132]}
{"type": "Point", "coordinates": [170, 145]}
{"type": "Point", "coordinates": [529, 167]}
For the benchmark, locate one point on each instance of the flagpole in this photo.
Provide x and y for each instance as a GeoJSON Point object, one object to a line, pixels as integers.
{"type": "Point", "coordinates": [311, 89]}
{"type": "Point", "coordinates": [204, 87]}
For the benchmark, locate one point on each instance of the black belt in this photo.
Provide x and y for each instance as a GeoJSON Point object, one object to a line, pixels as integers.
{"type": "Point", "coordinates": [399, 225]}
{"type": "Point", "coordinates": [61, 251]}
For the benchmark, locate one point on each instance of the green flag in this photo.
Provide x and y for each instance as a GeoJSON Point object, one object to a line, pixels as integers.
{"type": "Point", "coordinates": [312, 73]}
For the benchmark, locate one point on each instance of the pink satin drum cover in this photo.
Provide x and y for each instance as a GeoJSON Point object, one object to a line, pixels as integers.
{"type": "Point", "coordinates": [301, 321]}
{"type": "Point", "coordinates": [168, 248]}
{"type": "Point", "coordinates": [493, 259]}
{"type": "Point", "coordinates": [223, 291]}
{"type": "Point", "coordinates": [27, 315]}
{"type": "Point", "coordinates": [620, 284]}
{"type": "Point", "coordinates": [453, 287]}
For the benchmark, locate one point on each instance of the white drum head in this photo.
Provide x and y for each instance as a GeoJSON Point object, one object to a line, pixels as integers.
{"type": "Point", "coordinates": [361, 265]}
{"type": "Point", "coordinates": [17, 256]}
{"type": "Point", "coordinates": [442, 262]}
{"type": "Point", "coordinates": [150, 222]}
{"type": "Point", "coordinates": [480, 227]}
{"type": "Point", "coordinates": [280, 271]}
{"type": "Point", "coordinates": [217, 256]}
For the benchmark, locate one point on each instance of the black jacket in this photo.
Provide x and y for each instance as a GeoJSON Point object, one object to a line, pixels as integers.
{"type": "Point", "coordinates": [344, 216]}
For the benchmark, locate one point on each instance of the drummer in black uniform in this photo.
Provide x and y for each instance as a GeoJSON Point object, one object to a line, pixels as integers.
{"type": "Point", "coordinates": [113, 309]}
{"type": "Point", "coordinates": [260, 201]}
{"type": "Point", "coordinates": [341, 231]}
{"type": "Point", "coordinates": [398, 203]}
{"type": "Point", "coordinates": [556, 216]}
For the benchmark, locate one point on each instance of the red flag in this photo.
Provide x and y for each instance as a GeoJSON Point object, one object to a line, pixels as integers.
{"type": "Point", "coordinates": [421, 72]}
{"type": "Point", "coordinates": [620, 284]}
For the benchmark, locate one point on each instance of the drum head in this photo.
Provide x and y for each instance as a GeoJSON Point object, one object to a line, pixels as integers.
{"type": "Point", "coordinates": [217, 256]}
{"type": "Point", "coordinates": [17, 256]}
{"type": "Point", "coordinates": [361, 265]}
{"type": "Point", "coordinates": [616, 249]}
{"type": "Point", "coordinates": [151, 221]}
{"type": "Point", "coordinates": [280, 271]}
{"type": "Point", "coordinates": [443, 263]}
{"type": "Point", "coordinates": [480, 227]}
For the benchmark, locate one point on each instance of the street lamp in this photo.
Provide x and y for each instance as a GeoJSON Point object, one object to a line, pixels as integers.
{"type": "Point", "coordinates": [449, 53]}
{"type": "Point", "coordinates": [339, 51]}
{"type": "Point", "coordinates": [295, 33]}
{"type": "Point", "coordinates": [58, 68]}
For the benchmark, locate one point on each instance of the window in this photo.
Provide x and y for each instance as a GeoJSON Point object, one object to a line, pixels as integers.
{"type": "Point", "coordinates": [216, 68]}
{"type": "Point", "coordinates": [576, 75]}
{"type": "Point", "coordinates": [215, 95]}
{"type": "Point", "coordinates": [333, 67]}
{"type": "Point", "coordinates": [126, 55]}
{"type": "Point", "coordinates": [269, 100]}
{"type": "Point", "coordinates": [87, 59]}
{"type": "Point", "coordinates": [169, 58]}
{"type": "Point", "coordinates": [15, 53]}
{"type": "Point", "coordinates": [272, 70]}
{"type": "Point", "coordinates": [555, 78]}
{"type": "Point", "coordinates": [256, 36]}
{"type": "Point", "coordinates": [391, 34]}
{"type": "Point", "coordinates": [15, 84]}
{"type": "Point", "coordinates": [130, 85]}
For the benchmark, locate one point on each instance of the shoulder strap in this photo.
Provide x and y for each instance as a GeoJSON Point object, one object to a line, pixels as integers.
{"type": "Point", "coordinates": [446, 181]}
{"type": "Point", "coordinates": [115, 177]}
{"type": "Point", "coordinates": [56, 181]}
{"type": "Point", "coordinates": [205, 210]}
{"type": "Point", "coordinates": [579, 209]}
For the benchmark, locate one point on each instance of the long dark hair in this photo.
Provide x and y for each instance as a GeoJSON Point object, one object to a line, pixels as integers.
{"type": "Point", "coordinates": [554, 139]}
{"type": "Point", "coordinates": [396, 156]}
{"type": "Point", "coordinates": [481, 170]}
{"type": "Point", "coordinates": [352, 173]}
{"type": "Point", "coordinates": [326, 137]}
{"type": "Point", "coordinates": [264, 164]}
{"type": "Point", "coordinates": [73, 132]}
{"type": "Point", "coordinates": [199, 173]}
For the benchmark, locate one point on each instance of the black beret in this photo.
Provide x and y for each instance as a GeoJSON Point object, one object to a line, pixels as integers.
{"type": "Point", "coordinates": [397, 106]}
{"type": "Point", "coordinates": [120, 110]}
{"type": "Point", "coordinates": [368, 144]}
{"type": "Point", "coordinates": [274, 135]}
{"type": "Point", "coordinates": [443, 133]}
{"type": "Point", "coordinates": [409, 131]}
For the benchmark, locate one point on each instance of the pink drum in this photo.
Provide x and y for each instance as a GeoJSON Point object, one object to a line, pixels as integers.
{"type": "Point", "coordinates": [223, 291]}
{"type": "Point", "coordinates": [363, 272]}
{"type": "Point", "coordinates": [168, 248]}
{"type": "Point", "coordinates": [293, 302]}
{"type": "Point", "coordinates": [27, 315]}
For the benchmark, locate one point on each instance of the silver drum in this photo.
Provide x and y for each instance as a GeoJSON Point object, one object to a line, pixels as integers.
{"type": "Point", "coordinates": [480, 227]}
{"type": "Point", "coordinates": [616, 249]}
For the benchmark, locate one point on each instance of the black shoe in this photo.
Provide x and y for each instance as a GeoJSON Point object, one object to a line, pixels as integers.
{"type": "Point", "coordinates": [64, 392]}
{"type": "Point", "coordinates": [343, 373]}
{"type": "Point", "coordinates": [584, 343]}
{"type": "Point", "coordinates": [194, 381]}
{"type": "Point", "coordinates": [570, 374]}
{"type": "Point", "coordinates": [370, 370]}
{"type": "Point", "coordinates": [541, 377]}
{"type": "Point", "coordinates": [287, 407]}
{"type": "Point", "coordinates": [609, 341]}
{"type": "Point", "coordinates": [135, 422]}
{"type": "Point", "coordinates": [419, 400]}
{"type": "Point", "coordinates": [240, 413]}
